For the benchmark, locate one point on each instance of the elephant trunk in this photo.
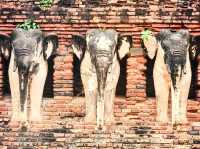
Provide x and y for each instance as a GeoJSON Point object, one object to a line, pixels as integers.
{"type": "Point", "coordinates": [23, 64]}
{"type": "Point", "coordinates": [176, 66]}
{"type": "Point", "coordinates": [102, 70]}
{"type": "Point", "coordinates": [23, 83]}
{"type": "Point", "coordinates": [176, 60]}
{"type": "Point", "coordinates": [101, 78]}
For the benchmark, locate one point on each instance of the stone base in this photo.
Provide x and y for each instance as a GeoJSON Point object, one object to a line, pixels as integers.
{"type": "Point", "coordinates": [63, 127]}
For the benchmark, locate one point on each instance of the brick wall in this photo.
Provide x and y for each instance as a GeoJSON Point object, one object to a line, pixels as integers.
{"type": "Point", "coordinates": [63, 125]}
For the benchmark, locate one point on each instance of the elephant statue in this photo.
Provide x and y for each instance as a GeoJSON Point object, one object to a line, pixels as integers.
{"type": "Point", "coordinates": [171, 72]}
{"type": "Point", "coordinates": [28, 51]}
{"type": "Point", "coordinates": [100, 53]}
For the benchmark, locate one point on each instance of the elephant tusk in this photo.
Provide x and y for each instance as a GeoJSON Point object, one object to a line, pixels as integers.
{"type": "Point", "coordinates": [31, 67]}
{"type": "Point", "coordinates": [184, 69]}
{"type": "Point", "coordinates": [22, 82]}
{"type": "Point", "coordinates": [22, 86]}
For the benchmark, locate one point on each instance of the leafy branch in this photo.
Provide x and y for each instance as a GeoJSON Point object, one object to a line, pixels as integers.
{"type": "Point", "coordinates": [145, 34]}
{"type": "Point", "coordinates": [28, 24]}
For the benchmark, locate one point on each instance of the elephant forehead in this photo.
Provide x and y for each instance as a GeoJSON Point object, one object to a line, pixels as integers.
{"type": "Point", "coordinates": [22, 43]}
{"type": "Point", "coordinates": [178, 38]}
{"type": "Point", "coordinates": [24, 34]}
{"type": "Point", "coordinates": [22, 39]}
{"type": "Point", "coordinates": [102, 42]}
{"type": "Point", "coordinates": [96, 32]}
{"type": "Point", "coordinates": [175, 40]}
{"type": "Point", "coordinates": [97, 36]}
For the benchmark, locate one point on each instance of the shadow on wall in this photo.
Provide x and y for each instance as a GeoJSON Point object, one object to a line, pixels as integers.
{"type": "Point", "coordinates": [78, 86]}
{"type": "Point", "coordinates": [192, 94]}
{"type": "Point", "coordinates": [150, 90]}
{"type": "Point", "coordinates": [6, 85]}
{"type": "Point", "coordinates": [48, 88]}
{"type": "Point", "coordinates": [77, 83]}
{"type": "Point", "coordinates": [121, 85]}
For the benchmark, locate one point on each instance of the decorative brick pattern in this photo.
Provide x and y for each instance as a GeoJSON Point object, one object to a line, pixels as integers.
{"type": "Point", "coordinates": [63, 125]}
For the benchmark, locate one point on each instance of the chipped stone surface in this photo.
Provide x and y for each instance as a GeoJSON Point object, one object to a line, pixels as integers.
{"type": "Point", "coordinates": [63, 125]}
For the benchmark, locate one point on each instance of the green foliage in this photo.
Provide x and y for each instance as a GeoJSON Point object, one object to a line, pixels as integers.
{"type": "Point", "coordinates": [44, 4]}
{"type": "Point", "coordinates": [145, 34]}
{"type": "Point", "coordinates": [28, 24]}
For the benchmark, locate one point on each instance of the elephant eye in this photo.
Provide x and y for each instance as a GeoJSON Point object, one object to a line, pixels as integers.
{"type": "Point", "coordinates": [184, 44]}
{"type": "Point", "coordinates": [110, 46]}
{"type": "Point", "coordinates": [164, 46]}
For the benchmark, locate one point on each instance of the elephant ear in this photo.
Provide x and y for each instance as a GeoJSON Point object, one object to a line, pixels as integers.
{"type": "Point", "coordinates": [50, 44]}
{"type": "Point", "coordinates": [151, 45]}
{"type": "Point", "coordinates": [5, 45]}
{"type": "Point", "coordinates": [124, 45]}
{"type": "Point", "coordinates": [195, 45]}
{"type": "Point", "coordinates": [78, 45]}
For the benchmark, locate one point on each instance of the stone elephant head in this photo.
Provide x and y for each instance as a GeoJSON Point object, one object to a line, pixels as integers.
{"type": "Point", "coordinates": [172, 71]}
{"type": "Point", "coordinates": [99, 53]}
{"type": "Point", "coordinates": [29, 52]}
